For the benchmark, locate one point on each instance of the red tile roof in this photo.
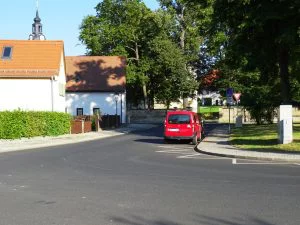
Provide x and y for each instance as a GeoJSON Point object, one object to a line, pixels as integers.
{"type": "Point", "coordinates": [96, 73]}
{"type": "Point", "coordinates": [31, 58]}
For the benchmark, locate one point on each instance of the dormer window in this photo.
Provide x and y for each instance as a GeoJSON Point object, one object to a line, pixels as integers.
{"type": "Point", "coordinates": [77, 77]}
{"type": "Point", "coordinates": [7, 52]}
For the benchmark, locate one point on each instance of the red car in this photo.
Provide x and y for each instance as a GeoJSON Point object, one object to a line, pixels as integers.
{"type": "Point", "coordinates": [183, 125]}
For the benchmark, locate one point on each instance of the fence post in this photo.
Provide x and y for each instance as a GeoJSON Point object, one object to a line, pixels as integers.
{"type": "Point", "coordinates": [82, 126]}
{"type": "Point", "coordinates": [97, 121]}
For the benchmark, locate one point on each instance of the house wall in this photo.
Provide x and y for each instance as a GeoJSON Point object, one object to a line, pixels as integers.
{"type": "Point", "coordinates": [192, 102]}
{"type": "Point", "coordinates": [60, 86]}
{"type": "Point", "coordinates": [30, 94]}
{"type": "Point", "coordinates": [105, 101]}
{"type": "Point", "coordinates": [34, 94]}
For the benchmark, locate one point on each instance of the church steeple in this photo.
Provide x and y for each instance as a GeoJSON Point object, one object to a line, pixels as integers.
{"type": "Point", "coordinates": [37, 28]}
{"type": "Point", "coordinates": [37, 19]}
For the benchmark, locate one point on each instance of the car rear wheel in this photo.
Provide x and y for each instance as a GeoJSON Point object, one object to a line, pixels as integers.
{"type": "Point", "coordinates": [194, 140]}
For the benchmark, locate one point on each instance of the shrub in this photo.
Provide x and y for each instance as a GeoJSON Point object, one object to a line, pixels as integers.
{"type": "Point", "coordinates": [209, 116]}
{"type": "Point", "coordinates": [18, 124]}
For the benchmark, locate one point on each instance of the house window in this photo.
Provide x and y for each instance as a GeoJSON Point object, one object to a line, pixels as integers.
{"type": "Point", "coordinates": [79, 111]}
{"type": "Point", "coordinates": [96, 111]}
{"type": "Point", "coordinates": [7, 52]}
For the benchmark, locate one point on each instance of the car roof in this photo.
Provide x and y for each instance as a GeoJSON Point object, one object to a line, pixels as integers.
{"type": "Point", "coordinates": [180, 112]}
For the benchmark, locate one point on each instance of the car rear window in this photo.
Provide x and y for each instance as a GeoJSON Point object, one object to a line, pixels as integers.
{"type": "Point", "coordinates": [179, 119]}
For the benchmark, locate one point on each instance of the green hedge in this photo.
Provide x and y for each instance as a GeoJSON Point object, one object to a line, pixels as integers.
{"type": "Point", "coordinates": [18, 124]}
{"type": "Point", "coordinates": [208, 109]}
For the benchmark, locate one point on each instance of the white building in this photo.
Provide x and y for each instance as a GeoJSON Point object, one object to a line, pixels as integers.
{"type": "Point", "coordinates": [210, 97]}
{"type": "Point", "coordinates": [96, 83]}
{"type": "Point", "coordinates": [32, 75]}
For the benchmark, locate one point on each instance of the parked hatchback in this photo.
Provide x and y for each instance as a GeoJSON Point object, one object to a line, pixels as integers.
{"type": "Point", "coordinates": [183, 125]}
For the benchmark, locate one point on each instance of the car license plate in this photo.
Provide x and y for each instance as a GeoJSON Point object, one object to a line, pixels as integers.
{"type": "Point", "coordinates": [173, 129]}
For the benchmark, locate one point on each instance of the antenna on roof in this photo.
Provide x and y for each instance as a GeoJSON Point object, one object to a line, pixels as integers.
{"type": "Point", "coordinates": [37, 4]}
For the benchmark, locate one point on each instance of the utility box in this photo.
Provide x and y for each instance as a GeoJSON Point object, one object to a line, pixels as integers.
{"type": "Point", "coordinates": [239, 121]}
{"type": "Point", "coordinates": [285, 124]}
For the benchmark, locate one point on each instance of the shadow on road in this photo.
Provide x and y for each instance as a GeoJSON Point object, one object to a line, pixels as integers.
{"type": "Point", "coordinates": [151, 132]}
{"type": "Point", "coordinates": [200, 219]}
{"type": "Point", "coordinates": [161, 141]}
{"type": "Point", "coordinates": [209, 220]}
{"type": "Point", "coordinates": [155, 136]}
{"type": "Point", "coordinates": [136, 220]}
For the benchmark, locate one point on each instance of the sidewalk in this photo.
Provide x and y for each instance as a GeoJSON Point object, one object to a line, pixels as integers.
{"type": "Point", "coordinates": [216, 143]}
{"type": "Point", "coordinates": [40, 142]}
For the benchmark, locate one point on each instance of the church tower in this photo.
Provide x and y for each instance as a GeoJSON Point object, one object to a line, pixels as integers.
{"type": "Point", "coordinates": [37, 28]}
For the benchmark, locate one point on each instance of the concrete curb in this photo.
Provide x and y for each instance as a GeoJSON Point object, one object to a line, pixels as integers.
{"type": "Point", "coordinates": [253, 155]}
{"type": "Point", "coordinates": [48, 142]}
{"type": "Point", "coordinates": [43, 142]}
{"type": "Point", "coordinates": [216, 144]}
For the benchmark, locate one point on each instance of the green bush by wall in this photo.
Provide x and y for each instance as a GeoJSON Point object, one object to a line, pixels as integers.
{"type": "Point", "coordinates": [18, 124]}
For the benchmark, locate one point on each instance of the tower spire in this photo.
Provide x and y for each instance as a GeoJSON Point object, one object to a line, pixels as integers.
{"type": "Point", "coordinates": [37, 27]}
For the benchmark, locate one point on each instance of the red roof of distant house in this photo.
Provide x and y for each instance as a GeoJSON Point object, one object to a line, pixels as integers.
{"type": "Point", "coordinates": [95, 73]}
{"type": "Point", "coordinates": [31, 58]}
{"type": "Point", "coordinates": [211, 77]}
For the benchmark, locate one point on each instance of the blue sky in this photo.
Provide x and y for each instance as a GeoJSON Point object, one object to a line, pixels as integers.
{"type": "Point", "coordinates": [60, 19]}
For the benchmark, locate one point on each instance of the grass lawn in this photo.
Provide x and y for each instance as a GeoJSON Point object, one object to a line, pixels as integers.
{"type": "Point", "coordinates": [263, 138]}
{"type": "Point", "coordinates": [208, 109]}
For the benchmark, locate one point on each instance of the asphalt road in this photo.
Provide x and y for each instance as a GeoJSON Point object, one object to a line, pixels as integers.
{"type": "Point", "coordinates": [137, 180]}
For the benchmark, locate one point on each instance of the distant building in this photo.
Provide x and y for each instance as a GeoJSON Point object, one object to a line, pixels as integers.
{"type": "Point", "coordinates": [208, 94]}
{"type": "Point", "coordinates": [208, 97]}
{"type": "Point", "coordinates": [37, 29]}
{"type": "Point", "coordinates": [96, 83]}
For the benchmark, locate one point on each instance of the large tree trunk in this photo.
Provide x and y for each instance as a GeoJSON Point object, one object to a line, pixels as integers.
{"type": "Point", "coordinates": [145, 96]}
{"type": "Point", "coordinates": [182, 45]}
{"type": "Point", "coordinates": [137, 56]}
{"type": "Point", "coordinates": [284, 76]}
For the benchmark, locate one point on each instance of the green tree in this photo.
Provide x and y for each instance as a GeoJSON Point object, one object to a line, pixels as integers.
{"type": "Point", "coordinates": [121, 27]}
{"type": "Point", "coordinates": [256, 48]}
{"type": "Point", "coordinates": [264, 34]}
{"type": "Point", "coordinates": [190, 20]}
{"type": "Point", "coordinates": [170, 78]}
{"type": "Point", "coordinates": [129, 28]}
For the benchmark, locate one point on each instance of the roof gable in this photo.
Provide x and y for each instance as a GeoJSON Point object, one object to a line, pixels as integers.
{"type": "Point", "coordinates": [95, 73]}
{"type": "Point", "coordinates": [30, 58]}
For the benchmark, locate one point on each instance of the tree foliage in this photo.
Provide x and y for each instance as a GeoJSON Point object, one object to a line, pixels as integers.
{"type": "Point", "coordinates": [129, 28]}
{"type": "Point", "coordinates": [256, 48]}
{"type": "Point", "coordinates": [171, 79]}
{"type": "Point", "coordinates": [191, 20]}
{"type": "Point", "coordinates": [260, 36]}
